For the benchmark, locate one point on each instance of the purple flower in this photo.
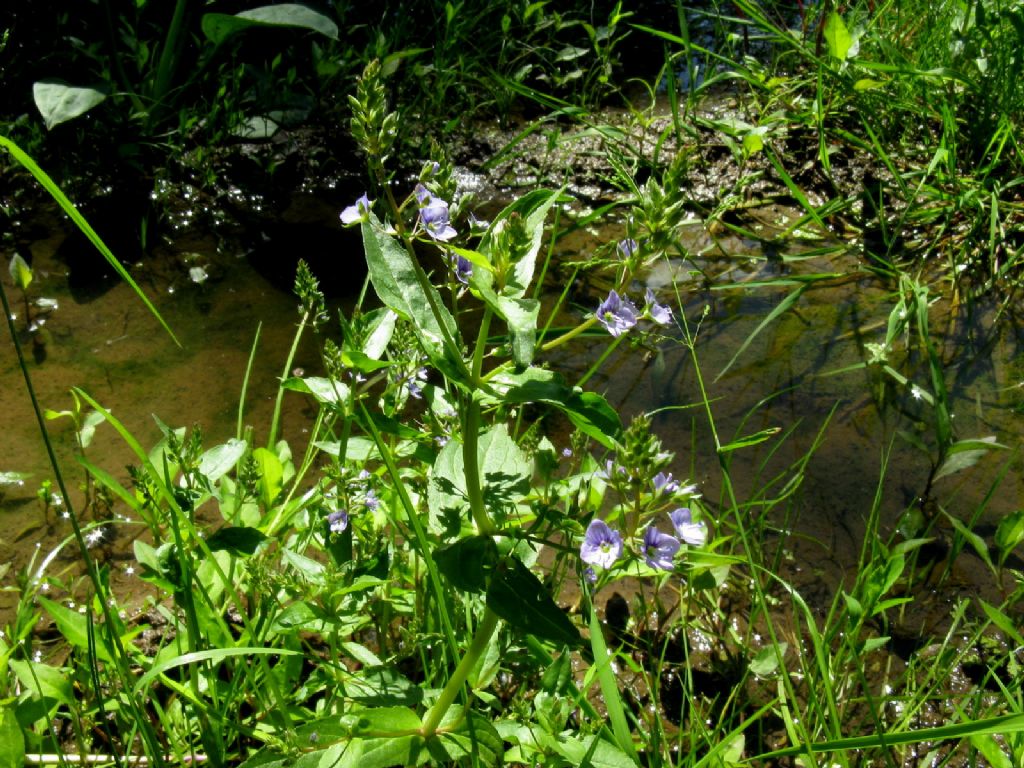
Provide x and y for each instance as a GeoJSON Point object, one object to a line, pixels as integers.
{"type": "Point", "coordinates": [371, 500]}
{"type": "Point", "coordinates": [463, 269]}
{"type": "Point", "coordinates": [627, 247]}
{"type": "Point", "coordinates": [610, 469]}
{"type": "Point", "coordinates": [338, 521]}
{"type": "Point", "coordinates": [567, 453]}
{"type": "Point", "coordinates": [663, 483]}
{"type": "Point", "coordinates": [659, 549]}
{"type": "Point", "coordinates": [433, 215]}
{"type": "Point", "coordinates": [416, 382]}
{"type": "Point", "coordinates": [601, 545]}
{"type": "Point", "coordinates": [358, 211]}
{"type": "Point", "coordinates": [694, 534]}
{"type": "Point", "coordinates": [659, 313]}
{"type": "Point", "coordinates": [617, 314]}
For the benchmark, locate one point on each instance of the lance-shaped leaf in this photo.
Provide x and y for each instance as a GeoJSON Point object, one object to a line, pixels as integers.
{"type": "Point", "coordinates": [588, 411]}
{"type": "Point", "coordinates": [518, 597]}
{"type": "Point", "coordinates": [533, 207]}
{"type": "Point", "coordinates": [394, 278]}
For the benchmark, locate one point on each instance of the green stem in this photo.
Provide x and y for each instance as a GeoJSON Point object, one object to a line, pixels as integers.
{"type": "Point", "coordinates": [471, 436]}
{"type": "Point", "coordinates": [484, 631]}
{"type": "Point", "coordinates": [566, 337]}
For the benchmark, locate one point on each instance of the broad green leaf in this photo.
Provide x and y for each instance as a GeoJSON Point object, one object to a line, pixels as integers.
{"type": "Point", "coordinates": [221, 459]}
{"type": "Point", "coordinates": [271, 475]}
{"type": "Point", "coordinates": [312, 569]}
{"type": "Point", "coordinates": [533, 207]}
{"type": "Point", "coordinates": [395, 280]}
{"type": "Point", "coordinates": [518, 597]}
{"type": "Point", "coordinates": [383, 687]}
{"type": "Point", "coordinates": [521, 317]}
{"type": "Point", "coordinates": [766, 661]}
{"type": "Point", "coordinates": [381, 328]}
{"type": "Point", "coordinates": [505, 473]}
{"type": "Point", "coordinates": [219, 26]}
{"type": "Point", "coordinates": [588, 411]}
{"type": "Point", "coordinates": [21, 273]}
{"type": "Point", "coordinates": [468, 563]}
{"type": "Point", "coordinates": [44, 680]}
{"type": "Point", "coordinates": [74, 627]}
{"type": "Point", "coordinates": [837, 37]}
{"type": "Point", "coordinates": [159, 566]}
{"type": "Point", "coordinates": [300, 616]}
{"type": "Point", "coordinates": [238, 540]}
{"type": "Point", "coordinates": [868, 84]}
{"type": "Point", "coordinates": [584, 751]}
{"type": "Point", "coordinates": [381, 722]}
{"type": "Point", "coordinates": [1010, 532]}
{"type": "Point", "coordinates": [466, 739]}
{"type": "Point", "coordinates": [88, 430]}
{"type": "Point", "coordinates": [330, 391]}
{"type": "Point", "coordinates": [12, 740]}
{"type": "Point", "coordinates": [59, 102]}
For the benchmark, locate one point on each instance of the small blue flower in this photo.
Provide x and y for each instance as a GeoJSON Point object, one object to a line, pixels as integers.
{"type": "Point", "coordinates": [659, 313]}
{"type": "Point", "coordinates": [463, 269]}
{"type": "Point", "coordinates": [338, 521]}
{"type": "Point", "coordinates": [434, 215]}
{"type": "Point", "coordinates": [567, 452]}
{"type": "Point", "coordinates": [601, 545]}
{"type": "Point", "coordinates": [358, 211]}
{"type": "Point", "coordinates": [371, 501]}
{"type": "Point", "coordinates": [627, 247]}
{"type": "Point", "coordinates": [694, 534]}
{"type": "Point", "coordinates": [415, 383]}
{"type": "Point", "coordinates": [659, 549]}
{"type": "Point", "coordinates": [617, 314]}
{"type": "Point", "coordinates": [663, 483]}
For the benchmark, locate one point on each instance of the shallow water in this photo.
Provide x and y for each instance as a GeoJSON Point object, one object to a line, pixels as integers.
{"type": "Point", "coordinates": [114, 350]}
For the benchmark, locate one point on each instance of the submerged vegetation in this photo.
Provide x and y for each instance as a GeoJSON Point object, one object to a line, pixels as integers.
{"type": "Point", "coordinates": [473, 556]}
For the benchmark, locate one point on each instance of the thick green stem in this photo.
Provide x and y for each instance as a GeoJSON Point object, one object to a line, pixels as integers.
{"type": "Point", "coordinates": [484, 630]}
{"type": "Point", "coordinates": [471, 437]}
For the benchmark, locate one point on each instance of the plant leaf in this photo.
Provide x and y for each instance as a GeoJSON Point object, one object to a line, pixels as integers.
{"type": "Point", "coordinates": [219, 26]}
{"type": "Point", "coordinates": [837, 37]}
{"type": "Point", "coordinates": [12, 740]}
{"type": "Point", "coordinates": [44, 680]}
{"type": "Point", "coordinates": [238, 540]}
{"type": "Point", "coordinates": [59, 102]}
{"type": "Point", "coordinates": [468, 563]}
{"type": "Point", "coordinates": [394, 278]}
{"type": "Point", "coordinates": [219, 460]}
{"type": "Point", "coordinates": [518, 597]}
{"type": "Point", "coordinates": [21, 273]}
